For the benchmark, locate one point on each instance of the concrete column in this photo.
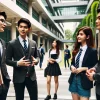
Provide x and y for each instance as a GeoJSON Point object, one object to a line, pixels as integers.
{"type": "Point", "coordinates": [30, 7]}
{"type": "Point", "coordinates": [40, 17]}
{"type": "Point", "coordinates": [44, 44]}
{"type": "Point", "coordinates": [31, 35]}
{"type": "Point", "coordinates": [51, 29]}
{"type": "Point", "coordinates": [38, 40]}
{"type": "Point", "coordinates": [47, 26]}
{"type": "Point", "coordinates": [13, 29]}
{"type": "Point", "coordinates": [48, 45]}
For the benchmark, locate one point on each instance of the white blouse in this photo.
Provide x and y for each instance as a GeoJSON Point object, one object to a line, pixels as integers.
{"type": "Point", "coordinates": [54, 52]}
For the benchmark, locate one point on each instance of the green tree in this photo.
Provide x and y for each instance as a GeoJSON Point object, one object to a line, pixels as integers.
{"type": "Point", "coordinates": [68, 34]}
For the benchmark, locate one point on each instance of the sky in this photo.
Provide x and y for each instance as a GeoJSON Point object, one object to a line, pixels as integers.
{"type": "Point", "coordinates": [69, 25]}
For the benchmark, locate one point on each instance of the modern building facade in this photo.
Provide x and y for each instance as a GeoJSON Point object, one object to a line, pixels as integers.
{"type": "Point", "coordinates": [44, 29]}
{"type": "Point", "coordinates": [46, 16]}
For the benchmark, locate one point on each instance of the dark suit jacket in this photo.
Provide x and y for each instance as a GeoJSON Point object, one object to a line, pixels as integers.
{"type": "Point", "coordinates": [14, 53]}
{"type": "Point", "coordinates": [89, 60]}
{"type": "Point", "coordinates": [3, 63]}
{"type": "Point", "coordinates": [97, 66]}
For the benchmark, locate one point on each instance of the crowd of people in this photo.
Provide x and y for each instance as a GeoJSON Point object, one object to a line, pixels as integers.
{"type": "Point", "coordinates": [22, 54]}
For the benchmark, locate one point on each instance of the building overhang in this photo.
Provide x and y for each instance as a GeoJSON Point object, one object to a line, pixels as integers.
{"type": "Point", "coordinates": [68, 41]}
{"type": "Point", "coordinates": [71, 18]}
{"type": "Point", "coordinates": [70, 4]}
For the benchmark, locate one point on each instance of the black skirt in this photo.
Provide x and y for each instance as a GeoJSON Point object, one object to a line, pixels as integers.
{"type": "Point", "coordinates": [52, 69]}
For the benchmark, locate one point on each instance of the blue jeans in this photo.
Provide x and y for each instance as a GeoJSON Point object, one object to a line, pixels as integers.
{"type": "Point", "coordinates": [77, 88]}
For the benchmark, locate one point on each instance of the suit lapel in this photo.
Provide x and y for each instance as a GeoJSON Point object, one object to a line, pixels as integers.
{"type": "Point", "coordinates": [85, 56]}
{"type": "Point", "coordinates": [3, 50]}
{"type": "Point", "coordinates": [29, 46]}
{"type": "Point", "coordinates": [20, 47]}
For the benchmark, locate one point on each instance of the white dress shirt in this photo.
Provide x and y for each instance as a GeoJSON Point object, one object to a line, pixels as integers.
{"type": "Point", "coordinates": [84, 48]}
{"type": "Point", "coordinates": [21, 40]}
{"type": "Point", "coordinates": [1, 48]}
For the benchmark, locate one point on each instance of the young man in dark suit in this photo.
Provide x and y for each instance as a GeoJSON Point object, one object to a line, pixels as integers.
{"type": "Point", "coordinates": [22, 56]}
{"type": "Point", "coordinates": [3, 68]}
{"type": "Point", "coordinates": [94, 73]}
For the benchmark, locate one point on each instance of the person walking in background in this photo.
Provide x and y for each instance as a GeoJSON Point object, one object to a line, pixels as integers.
{"type": "Point", "coordinates": [94, 73]}
{"type": "Point", "coordinates": [22, 55]}
{"type": "Point", "coordinates": [4, 77]}
{"type": "Point", "coordinates": [84, 56]}
{"type": "Point", "coordinates": [41, 49]}
{"type": "Point", "coordinates": [66, 56]}
{"type": "Point", "coordinates": [53, 68]}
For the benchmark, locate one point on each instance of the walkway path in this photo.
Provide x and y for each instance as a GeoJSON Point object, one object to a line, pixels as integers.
{"type": "Point", "coordinates": [63, 93]}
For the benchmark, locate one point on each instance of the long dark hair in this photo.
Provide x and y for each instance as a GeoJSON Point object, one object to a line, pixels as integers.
{"type": "Point", "coordinates": [57, 47]}
{"type": "Point", "coordinates": [90, 42]}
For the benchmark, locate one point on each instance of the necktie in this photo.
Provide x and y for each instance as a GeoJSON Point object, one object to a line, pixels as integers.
{"type": "Point", "coordinates": [25, 45]}
{"type": "Point", "coordinates": [78, 58]}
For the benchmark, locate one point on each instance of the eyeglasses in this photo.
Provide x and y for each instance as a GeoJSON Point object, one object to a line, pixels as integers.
{"type": "Point", "coordinates": [3, 21]}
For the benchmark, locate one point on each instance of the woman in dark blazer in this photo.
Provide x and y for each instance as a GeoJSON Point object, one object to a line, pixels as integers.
{"type": "Point", "coordinates": [84, 56]}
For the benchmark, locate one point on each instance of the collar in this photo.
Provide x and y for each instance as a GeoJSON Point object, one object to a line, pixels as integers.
{"type": "Point", "coordinates": [21, 39]}
{"type": "Point", "coordinates": [83, 47]}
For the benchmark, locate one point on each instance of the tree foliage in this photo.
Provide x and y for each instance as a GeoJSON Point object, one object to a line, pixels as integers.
{"type": "Point", "coordinates": [90, 19]}
{"type": "Point", "coordinates": [68, 34]}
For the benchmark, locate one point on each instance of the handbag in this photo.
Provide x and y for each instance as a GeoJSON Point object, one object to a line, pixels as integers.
{"type": "Point", "coordinates": [46, 71]}
{"type": "Point", "coordinates": [3, 88]}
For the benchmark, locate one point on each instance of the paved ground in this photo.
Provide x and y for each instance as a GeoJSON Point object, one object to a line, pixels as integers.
{"type": "Point", "coordinates": [63, 93]}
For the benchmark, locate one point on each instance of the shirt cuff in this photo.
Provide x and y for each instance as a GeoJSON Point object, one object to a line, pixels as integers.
{"type": "Point", "coordinates": [94, 78]}
{"type": "Point", "coordinates": [17, 64]}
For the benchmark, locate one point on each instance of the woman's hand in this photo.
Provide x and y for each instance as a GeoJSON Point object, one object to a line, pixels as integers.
{"type": "Point", "coordinates": [73, 69]}
{"type": "Point", "coordinates": [50, 61]}
{"type": "Point", "coordinates": [78, 70]}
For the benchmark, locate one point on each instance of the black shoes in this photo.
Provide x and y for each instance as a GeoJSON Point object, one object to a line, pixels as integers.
{"type": "Point", "coordinates": [48, 97]}
{"type": "Point", "coordinates": [55, 96]}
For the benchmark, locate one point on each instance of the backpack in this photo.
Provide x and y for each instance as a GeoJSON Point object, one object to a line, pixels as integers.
{"type": "Point", "coordinates": [40, 52]}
